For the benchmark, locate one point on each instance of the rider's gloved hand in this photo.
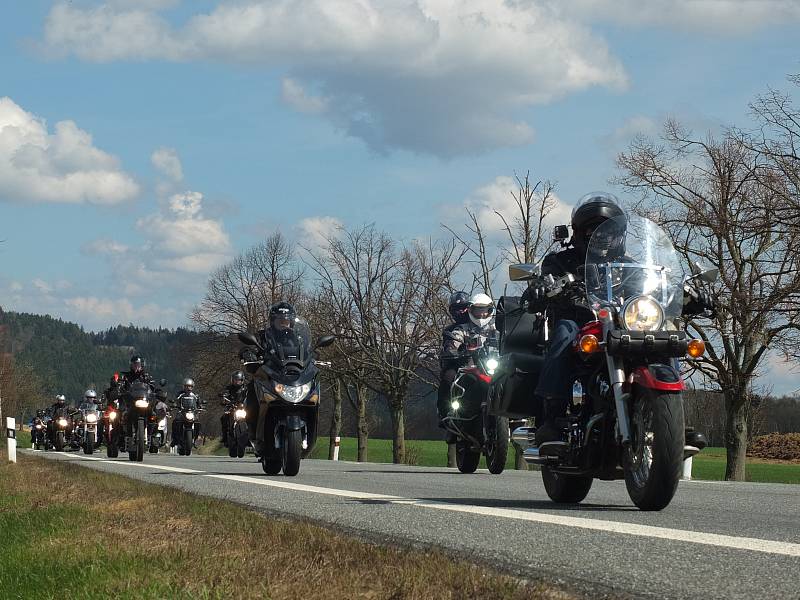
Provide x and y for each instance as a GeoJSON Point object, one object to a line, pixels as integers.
{"type": "Point", "coordinates": [697, 302]}
{"type": "Point", "coordinates": [534, 297]}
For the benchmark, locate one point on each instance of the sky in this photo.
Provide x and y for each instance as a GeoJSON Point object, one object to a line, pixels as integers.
{"type": "Point", "coordinates": [143, 143]}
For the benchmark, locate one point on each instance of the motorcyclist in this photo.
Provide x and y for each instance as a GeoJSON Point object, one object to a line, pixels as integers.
{"type": "Point", "coordinates": [554, 387]}
{"type": "Point", "coordinates": [458, 307]}
{"type": "Point", "coordinates": [186, 398]}
{"type": "Point", "coordinates": [478, 327]}
{"type": "Point", "coordinates": [58, 408]}
{"type": "Point", "coordinates": [277, 340]}
{"type": "Point", "coordinates": [230, 397]}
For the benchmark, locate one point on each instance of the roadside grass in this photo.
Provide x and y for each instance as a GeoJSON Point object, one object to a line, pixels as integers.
{"type": "Point", "coordinates": [94, 535]}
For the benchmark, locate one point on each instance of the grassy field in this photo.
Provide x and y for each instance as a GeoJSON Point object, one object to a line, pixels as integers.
{"type": "Point", "coordinates": [709, 464]}
{"type": "Point", "coordinates": [70, 530]}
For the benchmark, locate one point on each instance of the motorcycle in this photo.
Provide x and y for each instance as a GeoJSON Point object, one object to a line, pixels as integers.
{"type": "Point", "coordinates": [625, 420]}
{"type": "Point", "coordinates": [186, 425]}
{"type": "Point", "coordinates": [477, 432]}
{"type": "Point", "coordinates": [287, 390]}
{"type": "Point", "coordinates": [38, 429]}
{"type": "Point", "coordinates": [136, 418]}
{"type": "Point", "coordinates": [62, 428]}
{"type": "Point", "coordinates": [87, 435]}
{"type": "Point", "coordinates": [112, 431]}
{"type": "Point", "coordinates": [238, 434]}
{"type": "Point", "coordinates": [157, 426]}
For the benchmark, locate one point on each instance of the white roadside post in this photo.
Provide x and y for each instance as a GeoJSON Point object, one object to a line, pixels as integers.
{"type": "Point", "coordinates": [687, 468]}
{"type": "Point", "coordinates": [336, 447]}
{"type": "Point", "coordinates": [11, 435]}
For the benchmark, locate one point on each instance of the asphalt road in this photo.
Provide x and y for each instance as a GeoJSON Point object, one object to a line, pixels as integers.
{"type": "Point", "coordinates": [716, 540]}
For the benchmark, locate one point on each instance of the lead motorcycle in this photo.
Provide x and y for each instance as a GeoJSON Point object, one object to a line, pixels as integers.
{"type": "Point", "coordinates": [140, 407]}
{"type": "Point", "coordinates": [626, 417]}
{"type": "Point", "coordinates": [477, 432]}
{"type": "Point", "coordinates": [287, 391]}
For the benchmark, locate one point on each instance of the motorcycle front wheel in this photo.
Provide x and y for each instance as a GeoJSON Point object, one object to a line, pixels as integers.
{"type": "Point", "coordinates": [292, 451]}
{"type": "Point", "coordinates": [59, 445]}
{"type": "Point", "coordinates": [88, 446]}
{"type": "Point", "coordinates": [654, 460]}
{"type": "Point", "coordinates": [467, 459]}
{"type": "Point", "coordinates": [496, 444]}
{"type": "Point", "coordinates": [112, 445]}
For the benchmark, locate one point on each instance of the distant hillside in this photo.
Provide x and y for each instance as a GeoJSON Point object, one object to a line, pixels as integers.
{"type": "Point", "coordinates": [70, 360]}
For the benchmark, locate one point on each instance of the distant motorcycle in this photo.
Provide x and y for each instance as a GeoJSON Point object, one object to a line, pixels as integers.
{"type": "Point", "coordinates": [112, 430]}
{"type": "Point", "coordinates": [87, 435]}
{"type": "Point", "coordinates": [38, 429]}
{"type": "Point", "coordinates": [157, 427]}
{"type": "Point", "coordinates": [61, 429]}
{"type": "Point", "coordinates": [477, 432]}
{"type": "Point", "coordinates": [186, 426]}
{"type": "Point", "coordinates": [288, 390]}
{"type": "Point", "coordinates": [238, 434]}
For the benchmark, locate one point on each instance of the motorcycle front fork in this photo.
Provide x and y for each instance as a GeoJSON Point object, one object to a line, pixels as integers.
{"type": "Point", "coordinates": [616, 377]}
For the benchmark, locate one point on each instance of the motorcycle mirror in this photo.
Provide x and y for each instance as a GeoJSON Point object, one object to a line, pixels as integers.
{"type": "Point", "coordinates": [560, 233]}
{"type": "Point", "coordinates": [248, 338]}
{"type": "Point", "coordinates": [707, 274]}
{"type": "Point", "coordinates": [523, 271]}
{"type": "Point", "coordinates": [325, 340]}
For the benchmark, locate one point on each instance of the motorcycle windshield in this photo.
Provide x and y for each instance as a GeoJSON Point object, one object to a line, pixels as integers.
{"type": "Point", "coordinates": [292, 345]}
{"type": "Point", "coordinates": [628, 258]}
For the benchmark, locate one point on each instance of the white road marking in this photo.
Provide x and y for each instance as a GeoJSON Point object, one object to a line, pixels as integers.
{"type": "Point", "coordinates": [665, 533]}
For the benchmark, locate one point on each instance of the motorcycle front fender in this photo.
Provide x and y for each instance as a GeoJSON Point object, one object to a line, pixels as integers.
{"type": "Point", "coordinates": [657, 376]}
{"type": "Point", "coordinates": [295, 423]}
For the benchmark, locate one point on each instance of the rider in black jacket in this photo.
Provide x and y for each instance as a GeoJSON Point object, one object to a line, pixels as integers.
{"type": "Point", "coordinates": [230, 397]}
{"type": "Point", "coordinates": [458, 308]}
{"type": "Point", "coordinates": [555, 381]}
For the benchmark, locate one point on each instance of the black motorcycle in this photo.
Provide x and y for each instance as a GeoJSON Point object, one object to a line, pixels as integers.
{"type": "Point", "coordinates": [186, 425]}
{"type": "Point", "coordinates": [476, 431]}
{"type": "Point", "coordinates": [61, 429]}
{"type": "Point", "coordinates": [112, 429]}
{"type": "Point", "coordinates": [626, 418]}
{"type": "Point", "coordinates": [286, 389]}
{"type": "Point", "coordinates": [38, 430]}
{"type": "Point", "coordinates": [238, 434]}
{"type": "Point", "coordinates": [139, 410]}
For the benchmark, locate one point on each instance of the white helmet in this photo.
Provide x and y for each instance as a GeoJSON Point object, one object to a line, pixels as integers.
{"type": "Point", "coordinates": [481, 309]}
{"type": "Point", "coordinates": [90, 394]}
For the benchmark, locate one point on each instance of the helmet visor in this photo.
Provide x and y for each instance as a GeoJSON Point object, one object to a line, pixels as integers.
{"type": "Point", "coordinates": [481, 312]}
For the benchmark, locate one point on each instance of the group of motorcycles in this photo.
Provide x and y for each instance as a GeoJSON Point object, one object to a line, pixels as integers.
{"type": "Point", "coordinates": [625, 420]}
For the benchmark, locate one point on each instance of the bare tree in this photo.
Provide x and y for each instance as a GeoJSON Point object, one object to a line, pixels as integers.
{"type": "Point", "coordinates": [709, 196]}
{"type": "Point", "coordinates": [527, 237]}
{"type": "Point", "coordinates": [383, 294]}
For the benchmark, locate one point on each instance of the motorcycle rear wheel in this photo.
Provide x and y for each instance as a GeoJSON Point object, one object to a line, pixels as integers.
{"type": "Point", "coordinates": [565, 489]}
{"type": "Point", "coordinates": [654, 461]}
{"type": "Point", "coordinates": [467, 459]}
{"type": "Point", "coordinates": [292, 451]}
{"type": "Point", "coordinates": [272, 464]}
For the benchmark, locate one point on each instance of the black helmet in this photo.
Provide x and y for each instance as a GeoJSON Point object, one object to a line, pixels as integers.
{"type": "Point", "coordinates": [590, 211]}
{"type": "Point", "coordinates": [459, 307]}
{"type": "Point", "coordinates": [281, 317]}
{"type": "Point", "coordinates": [137, 364]}
{"type": "Point", "coordinates": [237, 378]}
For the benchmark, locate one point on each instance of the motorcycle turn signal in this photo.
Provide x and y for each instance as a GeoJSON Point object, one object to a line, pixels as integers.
{"type": "Point", "coordinates": [696, 348]}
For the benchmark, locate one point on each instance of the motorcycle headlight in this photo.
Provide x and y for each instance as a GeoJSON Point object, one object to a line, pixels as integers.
{"type": "Point", "coordinates": [38, 427]}
{"type": "Point", "coordinates": [643, 313]}
{"type": "Point", "coordinates": [190, 416]}
{"type": "Point", "coordinates": [62, 422]}
{"type": "Point", "coordinates": [240, 413]}
{"type": "Point", "coordinates": [112, 415]}
{"type": "Point", "coordinates": [141, 403]}
{"type": "Point", "coordinates": [91, 418]}
{"type": "Point", "coordinates": [293, 393]}
{"type": "Point", "coordinates": [162, 423]}
{"type": "Point", "coordinates": [491, 365]}
{"type": "Point", "coordinates": [455, 404]}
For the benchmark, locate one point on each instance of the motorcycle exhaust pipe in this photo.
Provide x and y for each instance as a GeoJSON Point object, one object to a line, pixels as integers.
{"type": "Point", "coordinates": [523, 437]}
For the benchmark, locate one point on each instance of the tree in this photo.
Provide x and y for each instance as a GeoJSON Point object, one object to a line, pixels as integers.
{"type": "Point", "coordinates": [388, 300]}
{"type": "Point", "coordinates": [710, 195]}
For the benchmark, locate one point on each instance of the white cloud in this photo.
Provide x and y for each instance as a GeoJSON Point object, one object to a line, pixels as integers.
{"type": "Point", "coordinates": [294, 95]}
{"type": "Point", "coordinates": [446, 77]}
{"type": "Point", "coordinates": [167, 162]}
{"type": "Point", "coordinates": [64, 166]}
{"type": "Point", "coordinates": [716, 16]}
{"type": "Point", "coordinates": [319, 229]}
{"type": "Point", "coordinates": [182, 239]}
{"type": "Point", "coordinates": [42, 286]}
{"type": "Point", "coordinates": [104, 312]}
{"type": "Point", "coordinates": [104, 247]}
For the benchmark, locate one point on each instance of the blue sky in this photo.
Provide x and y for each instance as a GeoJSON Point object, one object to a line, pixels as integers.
{"type": "Point", "coordinates": [190, 129]}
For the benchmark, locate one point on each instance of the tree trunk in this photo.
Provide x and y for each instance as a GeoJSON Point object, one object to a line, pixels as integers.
{"type": "Point", "coordinates": [451, 455]}
{"type": "Point", "coordinates": [736, 433]}
{"type": "Point", "coordinates": [398, 431]}
{"type": "Point", "coordinates": [336, 418]}
{"type": "Point", "coordinates": [362, 426]}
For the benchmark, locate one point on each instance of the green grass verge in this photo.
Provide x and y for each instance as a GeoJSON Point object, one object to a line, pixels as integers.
{"type": "Point", "coordinates": [72, 532]}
